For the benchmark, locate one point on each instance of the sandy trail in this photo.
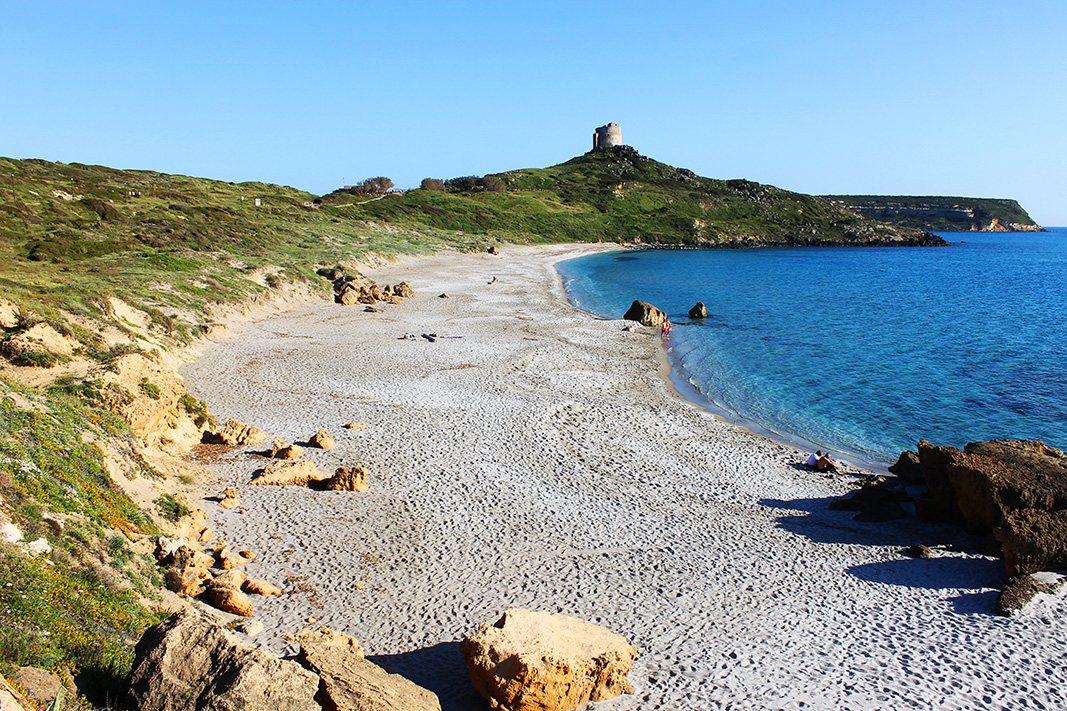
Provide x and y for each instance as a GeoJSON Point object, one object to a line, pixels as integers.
{"type": "Point", "coordinates": [540, 461]}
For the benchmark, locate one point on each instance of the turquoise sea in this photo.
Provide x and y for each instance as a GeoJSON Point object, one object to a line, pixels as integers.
{"type": "Point", "coordinates": [863, 351]}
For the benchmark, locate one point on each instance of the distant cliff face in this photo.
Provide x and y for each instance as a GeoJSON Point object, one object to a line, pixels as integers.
{"type": "Point", "coordinates": [942, 214]}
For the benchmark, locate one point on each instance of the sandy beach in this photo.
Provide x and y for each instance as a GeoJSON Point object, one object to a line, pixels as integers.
{"type": "Point", "coordinates": [534, 456]}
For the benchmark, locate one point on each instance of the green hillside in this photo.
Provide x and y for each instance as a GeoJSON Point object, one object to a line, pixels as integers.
{"type": "Point", "coordinates": [941, 214]}
{"type": "Point", "coordinates": [619, 195]}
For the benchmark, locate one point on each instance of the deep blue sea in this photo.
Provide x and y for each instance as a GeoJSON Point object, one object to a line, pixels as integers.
{"type": "Point", "coordinates": [863, 351]}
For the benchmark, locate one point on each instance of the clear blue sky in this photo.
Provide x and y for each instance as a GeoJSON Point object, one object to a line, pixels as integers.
{"type": "Point", "coordinates": [937, 97]}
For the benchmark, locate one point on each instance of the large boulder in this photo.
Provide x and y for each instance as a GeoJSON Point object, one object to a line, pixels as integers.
{"type": "Point", "coordinates": [528, 661]}
{"type": "Point", "coordinates": [237, 434]}
{"type": "Point", "coordinates": [190, 662]}
{"type": "Point", "coordinates": [699, 310]}
{"type": "Point", "coordinates": [351, 683]}
{"type": "Point", "coordinates": [645, 313]}
{"type": "Point", "coordinates": [229, 599]}
{"type": "Point", "coordinates": [1033, 540]}
{"type": "Point", "coordinates": [1019, 591]}
{"type": "Point", "coordinates": [940, 501]}
{"type": "Point", "coordinates": [290, 473]}
{"type": "Point", "coordinates": [908, 468]}
{"type": "Point", "coordinates": [403, 289]}
{"type": "Point", "coordinates": [1016, 489]}
{"type": "Point", "coordinates": [347, 479]}
{"type": "Point", "coordinates": [322, 440]}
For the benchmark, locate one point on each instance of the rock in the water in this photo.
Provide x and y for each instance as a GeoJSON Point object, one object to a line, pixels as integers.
{"type": "Point", "coordinates": [1021, 589]}
{"type": "Point", "coordinates": [908, 468]}
{"type": "Point", "coordinates": [529, 661]}
{"type": "Point", "coordinates": [229, 599]}
{"type": "Point", "coordinates": [298, 473]}
{"type": "Point", "coordinates": [645, 313]}
{"type": "Point", "coordinates": [351, 683]}
{"type": "Point", "coordinates": [699, 310]}
{"type": "Point", "coordinates": [347, 479]}
{"type": "Point", "coordinates": [190, 662]}
{"type": "Point", "coordinates": [322, 440]}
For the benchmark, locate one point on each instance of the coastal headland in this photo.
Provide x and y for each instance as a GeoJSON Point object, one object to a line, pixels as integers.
{"type": "Point", "coordinates": [531, 455]}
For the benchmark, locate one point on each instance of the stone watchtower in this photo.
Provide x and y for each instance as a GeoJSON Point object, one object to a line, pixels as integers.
{"type": "Point", "coordinates": [607, 136]}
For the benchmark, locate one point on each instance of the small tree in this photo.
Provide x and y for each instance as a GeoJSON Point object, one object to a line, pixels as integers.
{"type": "Point", "coordinates": [432, 184]}
{"type": "Point", "coordinates": [493, 183]}
{"type": "Point", "coordinates": [464, 184]}
{"type": "Point", "coordinates": [372, 186]}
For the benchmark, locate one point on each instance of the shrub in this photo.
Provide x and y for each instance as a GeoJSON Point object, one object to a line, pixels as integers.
{"type": "Point", "coordinates": [171, 508]}
{"type": "Point", "coordinates": [148, 388]}
{"type": "Point", "coordinates": [41, 359]}
{"type": "Point", "coordinates": [432, 184]}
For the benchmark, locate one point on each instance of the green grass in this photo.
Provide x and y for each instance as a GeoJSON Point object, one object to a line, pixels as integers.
{"type": "Point", "coordinates": [619, 195]}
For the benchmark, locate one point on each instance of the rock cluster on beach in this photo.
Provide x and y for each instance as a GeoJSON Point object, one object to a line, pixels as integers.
{"type": "Point", "coordinates": [214, 574]}
{"type": "Point", "coordinates": [189, 661]}
{"type": "Point", "coordinates": [1010, 491]}
{"type": "Point", "coordinates": [350, 287]}
{"type": "Point", "coordinates": [526, 661]}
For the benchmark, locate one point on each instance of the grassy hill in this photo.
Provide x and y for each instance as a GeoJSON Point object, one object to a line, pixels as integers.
{"type": "Point", "coordinates": [619, 195]}
{"type": "Point", "coordinates": [941, 214]}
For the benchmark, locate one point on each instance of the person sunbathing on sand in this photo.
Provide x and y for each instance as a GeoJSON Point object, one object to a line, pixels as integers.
{"type": "Point", "coordinates": [821, 462]}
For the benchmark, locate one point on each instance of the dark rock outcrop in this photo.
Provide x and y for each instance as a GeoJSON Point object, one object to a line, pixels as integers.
{"type": "Point", "coordinates": [1020, 590]}
{"type": "Point", "coordinates": [699, 310]}
{"type": "Point", "coordinates": [645, 313]}
{"type": "Point", "coordinates": [908, 468]}
{"type": "Point", "coordinates": [878, 499]}
{"type": "Point", "coordinates": [1014, 489]}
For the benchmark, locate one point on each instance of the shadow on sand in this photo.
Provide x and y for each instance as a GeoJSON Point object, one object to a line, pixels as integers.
{"type": "Point", "coordinates": [439, 668]}
{"type": "Point", "coordinates": [817, 522]}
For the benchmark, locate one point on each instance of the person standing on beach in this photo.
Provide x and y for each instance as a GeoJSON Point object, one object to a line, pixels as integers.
{"type": "Point", "coordinates": [666, 326]}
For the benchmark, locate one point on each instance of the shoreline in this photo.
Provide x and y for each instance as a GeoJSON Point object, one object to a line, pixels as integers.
{"type": "Point", "coordinates": [541, 460]}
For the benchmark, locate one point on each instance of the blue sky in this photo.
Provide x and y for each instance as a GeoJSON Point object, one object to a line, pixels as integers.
{"type": "Point", "coordinates": [918, 98]}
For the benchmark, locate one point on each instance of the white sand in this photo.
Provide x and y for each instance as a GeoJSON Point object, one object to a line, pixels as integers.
{"type": "Point", "coordinates": [540, 461]}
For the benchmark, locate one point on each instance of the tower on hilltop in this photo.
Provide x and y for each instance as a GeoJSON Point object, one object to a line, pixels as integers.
{"type": "Point", "coordinates": [607, 136]}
